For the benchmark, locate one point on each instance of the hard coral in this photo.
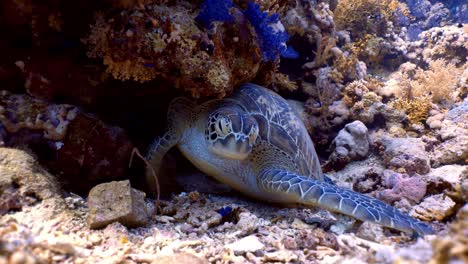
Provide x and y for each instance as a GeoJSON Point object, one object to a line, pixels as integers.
{"type": "Point", "coordinates": [164, 42]}
{"type": "Point", "coordinates": [366, 16]}
{"type": "Point", "coordinates": [416, 109]}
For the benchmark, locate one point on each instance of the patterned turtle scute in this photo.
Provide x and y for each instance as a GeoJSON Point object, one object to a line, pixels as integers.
{"type": "Point", "coordinates": [280, 126]}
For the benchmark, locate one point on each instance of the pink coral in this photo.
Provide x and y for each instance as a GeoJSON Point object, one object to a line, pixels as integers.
{"type": "Point", "coordinates": [411, 188]}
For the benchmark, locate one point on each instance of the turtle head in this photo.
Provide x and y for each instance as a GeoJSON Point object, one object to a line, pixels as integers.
{"type": "Point", "coordinates": [231, 133]}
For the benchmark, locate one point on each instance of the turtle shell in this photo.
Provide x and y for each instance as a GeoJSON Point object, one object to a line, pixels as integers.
{"type": "Point", "coordinates": [281, 126]}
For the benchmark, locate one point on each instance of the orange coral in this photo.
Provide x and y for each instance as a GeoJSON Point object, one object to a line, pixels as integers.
{"type": "Point", "coordinates": [416, 109]}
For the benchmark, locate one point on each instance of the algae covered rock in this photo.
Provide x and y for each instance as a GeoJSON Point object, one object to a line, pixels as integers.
{"type": "Point", "coordinates": [351, 143]}
{"type": "Point", "coordinates": [406, 153]}
{"type": "Point", "coordinates": [74, 145]}
{"type": "Point", "coordinates": [23, 181]}
{"type": "Point", "coordinates": [436, 207]}
{"type": "Point", "coordinates": [116, 202]}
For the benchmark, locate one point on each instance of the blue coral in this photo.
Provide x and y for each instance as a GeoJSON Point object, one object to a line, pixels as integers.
{"type": "Point", "coordinates": [214, 10]}
{"type": "Point", "coordinates": [272, 40]}
{"type": "Point", "coordinates": [271, 35]}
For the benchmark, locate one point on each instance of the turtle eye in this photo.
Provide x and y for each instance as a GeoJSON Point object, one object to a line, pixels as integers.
{"type": "Point", "coordinates": [223, 126]}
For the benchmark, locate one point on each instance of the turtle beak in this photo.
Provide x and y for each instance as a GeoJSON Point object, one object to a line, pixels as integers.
{"type": "Point", "coordinates": [233, 147]}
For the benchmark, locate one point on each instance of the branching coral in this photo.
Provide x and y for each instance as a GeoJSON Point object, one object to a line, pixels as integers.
{"type": "Point", "coordinates": [439, 81]}
{"type": "Point", "coordinates": [367, 16]}
{"type": "Point", "coordinates": [417, 109]}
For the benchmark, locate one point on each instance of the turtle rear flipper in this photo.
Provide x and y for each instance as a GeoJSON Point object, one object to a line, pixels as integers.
{"type": "Point", "coordinates": [316, 193]}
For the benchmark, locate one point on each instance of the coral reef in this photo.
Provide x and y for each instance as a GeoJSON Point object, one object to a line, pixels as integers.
{"type": "Point", "coordinates": [367, 16]}
{"type": "Point", "coordinates": [165, 42]}
{"type": "Point", "coordinates": [85, 82]}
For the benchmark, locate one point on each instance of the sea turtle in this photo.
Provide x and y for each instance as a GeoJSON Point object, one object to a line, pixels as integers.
{"type": "Point", "coordinates": [255, 142]}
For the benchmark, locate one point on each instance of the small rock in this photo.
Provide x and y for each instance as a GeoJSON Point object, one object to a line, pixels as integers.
{"type": "Point", "coordinates": [116, 202]}
{"type": "Point", "coordinates": [435, 121]}
{"type": "Point", "coordinates": [280, 256]}
{"type": "Point", "coordinates": [299, 224]}
{"type": "Point", "coordinates": [246, 244]}
{"type": "Point", "coordinates": [437, 207]}
{"type": "Point", "coordinates": [23, 257]}
{"type": "Point", "coordinates": [64, 248]}
{"type": "Point", "coordinates": [95, 239]}
{"type": "Point", "coordinates": [371, 231]}
{"type": "Point", "coordinates": [247, 223]}
{"type": "Point", "coordinates": [406, 153]}
{"type": "Point", "coordinates": [179, 258]}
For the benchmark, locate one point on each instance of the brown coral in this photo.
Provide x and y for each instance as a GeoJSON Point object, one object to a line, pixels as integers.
{"type": "Point", "coordinates": [157, 41]}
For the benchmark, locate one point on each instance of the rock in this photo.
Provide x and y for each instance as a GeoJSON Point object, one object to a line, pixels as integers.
{"type": "Point", "coordinates": [435, 121]}
{"type": "Point", "coordinates": [351, 143]}
{"type": "Point", "coordinates": [179, 258]}
{"type": "Point", "coordinates": [453, 247]}
{"type": "Point", "coordinates": [458, 114]}
{"type": "Point", "coordinates": [371, 231]}
{"type": "Point", "coordinates": [445, 177]}
{"type": "Point", "coordinates": [406, 153]}
{"type": "Point", "coordinates": [283, 256]}
{"type": "Point", "coordinates": [247, 223]}
{"type": "Point", "coordinates": [437, 207]}
{"type": "Point", "coordinates": [218, 61]}
{"type": "Point", "coordinates": [23, 257]}
{"type": "Point", "coordinates": [451, 151]}
{"type": "Point", "coordinates": [246, 244]}
{"type": "Point", "coordinates": [419, 252]}
{"type": "Point", "coordinates": [69, 142]}
{"type": "Point", "coordinates": [402, 186]}
{"type": "Point", "coordinates": [116, 202]}
{"type": "Point", "coordinates": [23, 181]}
{"type": "Point", "coordinates": [454, 146]}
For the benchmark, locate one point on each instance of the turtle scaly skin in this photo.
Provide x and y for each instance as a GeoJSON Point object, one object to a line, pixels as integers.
{"type": "Point", "coordinates": [256, 143]}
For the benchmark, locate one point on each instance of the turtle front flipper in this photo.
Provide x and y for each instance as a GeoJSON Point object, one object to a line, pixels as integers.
{"type": "Point", "coordinates": [178, 117]}
{"type": "Point", "coordinates": [310, 192]}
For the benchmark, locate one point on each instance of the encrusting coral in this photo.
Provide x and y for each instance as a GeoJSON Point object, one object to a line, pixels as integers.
{"type": "Point", "coordinates": [154, 41]}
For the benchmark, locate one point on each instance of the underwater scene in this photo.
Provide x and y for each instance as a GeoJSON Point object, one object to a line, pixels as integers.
{"type": "Point", "coordinates": [234, 131]}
